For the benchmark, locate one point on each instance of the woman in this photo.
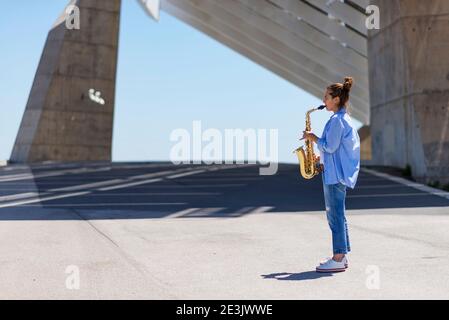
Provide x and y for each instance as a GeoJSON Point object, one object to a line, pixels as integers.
{"type": "Point", "coordinates": [340, 154]}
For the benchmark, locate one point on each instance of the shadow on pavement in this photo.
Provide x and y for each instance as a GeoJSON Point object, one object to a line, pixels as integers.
{"type": "Point", "coordinates": [307, 275]}
{"type": "Point", "coordinates": [234, 192]}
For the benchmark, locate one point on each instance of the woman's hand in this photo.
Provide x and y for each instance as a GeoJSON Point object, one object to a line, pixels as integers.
{"type": "Point", "coordinates": [309, 136]}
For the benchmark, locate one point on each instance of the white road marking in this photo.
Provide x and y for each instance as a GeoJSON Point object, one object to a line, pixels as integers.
{"type": "Point", "coordinates": [126, 185]}
{"type": "Point", "coordinates": [185, 174]}
{"type": "Point", "coordinates": [244, 210]}
{"type": "Point", "coordinates": [151, 175]}
{"type": "Point", "coordinates": [87, 185]}
{"type": "Point", "coordinates": [195, 212]}
{"type": "Point", "coordinates": [223, 179]}
{"type": "Point", "coordinates": [202, 212]}
{"type": "Point", "coordinates": [18, 196]}
{"type": "Point", "coordinates": [14, 204]}
{"type": "Point", "coordinates": [84, 186]}
{"type": "Point", "coordinates": [115, 181]}
{"type": "Point", "coordinates": [380, 186]}
{"type": "Point", "coordinates": [95, 184]}
{"type": "Point", "coordinates": [29, 177]}
{"type": "Point", "coordinates": [181, 213]}
{"type": "Point", "coordinates": [13, 176]}
{"type": "Point", "coordinates": [113, 204]}
{"type": "Point", "coordinates": [229, 185]}
{"type": "Point", "coordinates": [135, 166]}
{"type": "Point", "coordinates": [250, 210]}
{"type": "Point", "coordinates": [156, 194]}
{"type": "Point", "coordinates": [389, 195]}
{"type": "Point", "coordinates": [45, 174]}
{"type": "Point", "coordinates": [261, 209]}
{"type": "Point", "coordinates": [409, 183]}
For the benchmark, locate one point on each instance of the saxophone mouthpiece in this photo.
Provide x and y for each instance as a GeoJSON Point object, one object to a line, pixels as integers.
{"type": "Point", "coordinates": [321, 107]}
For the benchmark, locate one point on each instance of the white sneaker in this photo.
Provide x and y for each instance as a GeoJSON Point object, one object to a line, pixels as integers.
{"type": "Point", "coordinates": [331, 266]}
{"type": "Point", "coordinates": [345, 260]}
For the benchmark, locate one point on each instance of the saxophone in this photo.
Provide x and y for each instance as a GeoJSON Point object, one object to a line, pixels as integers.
{"type": "Point", "coordinates": [309, 165]}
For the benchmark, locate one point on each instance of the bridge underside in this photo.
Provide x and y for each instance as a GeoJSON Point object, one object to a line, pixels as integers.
{"type": "Point", "coordinates": [310, 43]}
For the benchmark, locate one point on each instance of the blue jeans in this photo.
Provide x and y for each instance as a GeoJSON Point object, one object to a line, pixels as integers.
{"type": "Point", "coordinates": [334, 198]}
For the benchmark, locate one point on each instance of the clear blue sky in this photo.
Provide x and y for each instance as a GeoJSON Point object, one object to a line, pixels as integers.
{"type": "Point", "coordinates": [169, 75]}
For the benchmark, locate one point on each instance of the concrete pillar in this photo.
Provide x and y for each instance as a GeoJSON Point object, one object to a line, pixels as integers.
{"type": "Point", "coordinates": [365, 143]}
{"type": "Point", "coordinates": [62, 121]}
{"type": "Point", "coordinates": [409, 87]}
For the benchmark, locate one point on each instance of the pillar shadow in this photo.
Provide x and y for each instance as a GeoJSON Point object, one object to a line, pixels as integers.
{"type": "Point", "coordinates": [229, 193]}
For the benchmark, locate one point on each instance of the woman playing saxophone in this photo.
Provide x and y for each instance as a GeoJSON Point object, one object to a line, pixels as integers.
{"type": "Point", "coordinates": [339, 146]}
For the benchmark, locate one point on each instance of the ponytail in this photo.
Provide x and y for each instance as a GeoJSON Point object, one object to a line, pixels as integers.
{"type": "Point", "coordinates": [341, 90]}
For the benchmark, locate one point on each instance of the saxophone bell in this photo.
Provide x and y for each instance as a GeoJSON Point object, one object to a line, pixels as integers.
{"type": "Point", "coordinates": [309, 165]}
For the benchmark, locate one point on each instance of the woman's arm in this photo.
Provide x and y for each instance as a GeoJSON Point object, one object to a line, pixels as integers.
{"type": "Point", "coordinates": [331, 140]}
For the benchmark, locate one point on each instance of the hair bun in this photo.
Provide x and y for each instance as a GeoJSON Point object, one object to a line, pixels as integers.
{"type": "Point", "coordinates": [347, 85]}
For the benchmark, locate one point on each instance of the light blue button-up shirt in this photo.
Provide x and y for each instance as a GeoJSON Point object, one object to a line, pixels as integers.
{"type": "Point", "coordinates": [340, 150]}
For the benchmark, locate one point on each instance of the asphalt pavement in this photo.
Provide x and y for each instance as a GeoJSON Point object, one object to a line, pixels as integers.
{"type": "Point", "coordinates": [159, 231]}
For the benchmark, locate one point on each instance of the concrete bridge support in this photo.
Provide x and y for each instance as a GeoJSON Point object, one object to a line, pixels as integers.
{"type": "Point", "coordinates": [63, 121]}
{"type": "Point", "coordinates": [409, 87]}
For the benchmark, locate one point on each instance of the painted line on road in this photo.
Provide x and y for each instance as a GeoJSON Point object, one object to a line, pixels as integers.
{"type": "Point", "coordinates": [132, 184]}
{"type": "Point", "coordinates": [389, 195]}
{"type": "Point", "coordinates": [129, 178]}
{"type": "Point", "coordinates": [133, 204]}
{"type": "Point", "coordinates": [242, 211]}
{"type": "Point", "coordinates": [262, 209]}
{"type": "Point", "coordinates": [203, 212]}
{"type": "Point", "coordinates": [185, 174]}
{"type": "Point", "coordinates": [18, 196]}
{"type": "Point", "coordinates": [152, 175]}
{"type": "Point", "coordinates": [87, 185]}
{"type": "Point", "coordinates": [13, 176]}
{"type": "Point", "coordinates": [21, 203]}
{"type": "Point", "coordinates": [46, 174]}
{"type": "Point", "coordinates": [73, 166]}
{"type": "Point", "coordinates": [121, 186]}
{"type": "Point", "coordinates": [408, 183]}
{"type": "Point", "coordinates": [181, 213]}
{"type": "Point", "coordinates": [84, 186]}
{"type": "Point", "coordinates": [218, 185]}
{"type": "Point", "coordinates": [156, 194]}
{"type": "Point", "coordinates": [245, 209]}
{"type": "Point", "coordinates": [380, 186]}
{"type": "Point", "coordinates": [138, 183]}
{"type": "Point", "coordinates": [224, 179]}
{"type": "Point", "coordinates": [250, 210]}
